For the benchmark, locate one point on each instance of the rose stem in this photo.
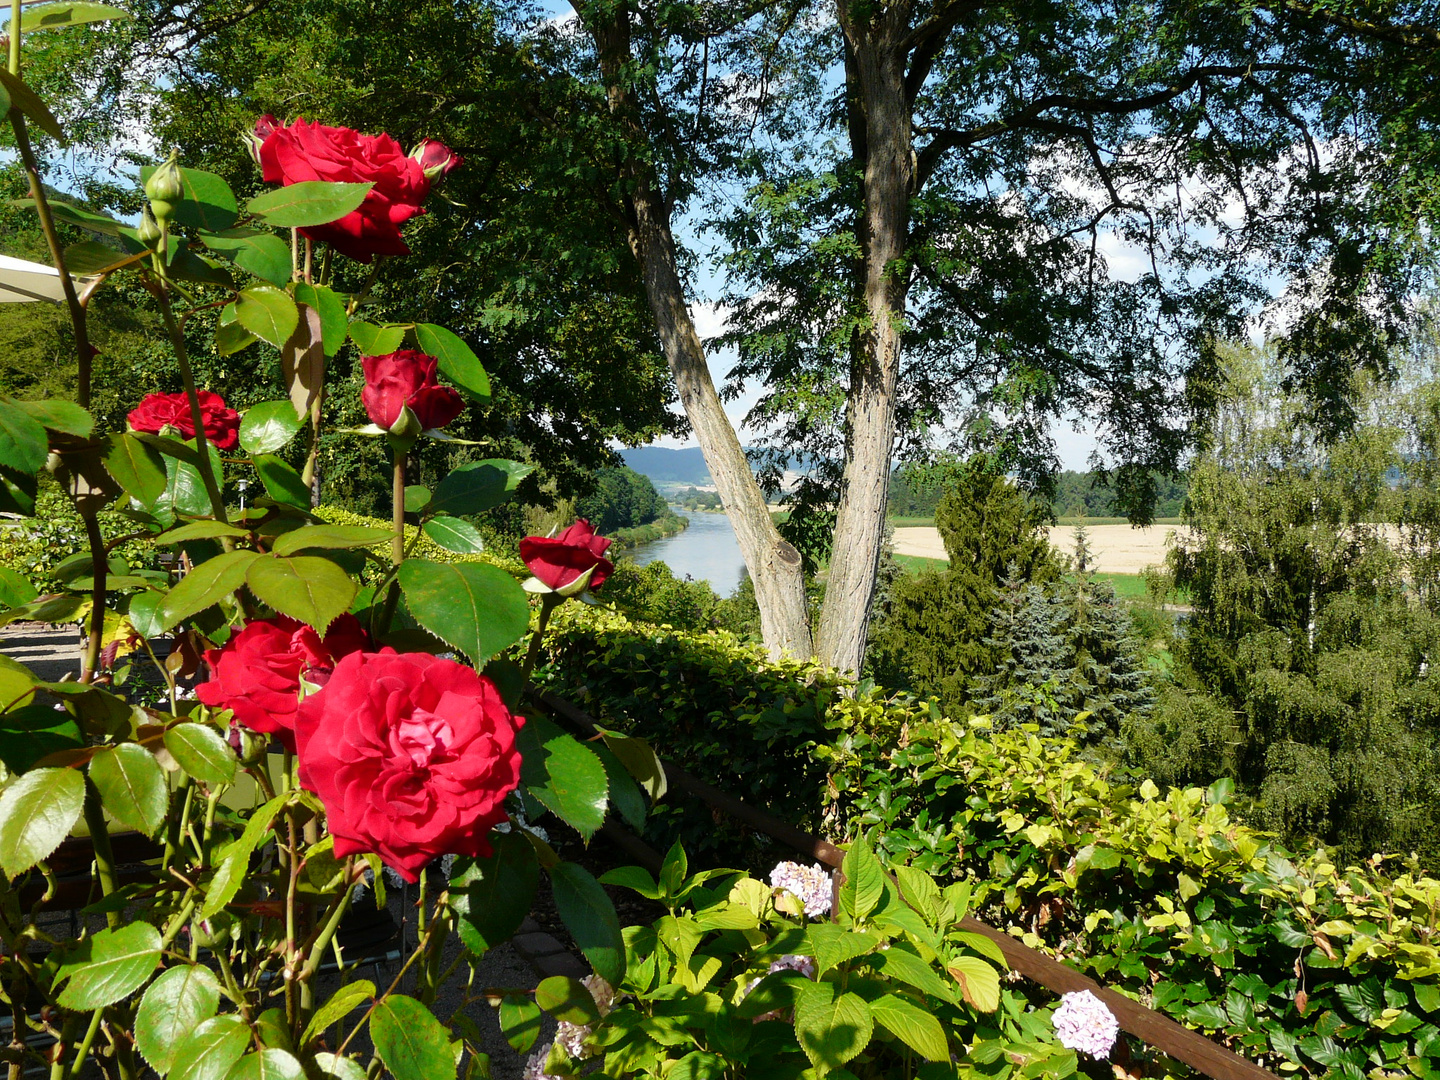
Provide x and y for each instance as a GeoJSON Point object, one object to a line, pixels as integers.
{"type": "Point", "coordinates": [548, 603]}
{"type": "Point", "coordinates": [100, 841]}
{"type": "Point", "coordinates": [397, 536]}
{"type": "Point", "coordinates": [197, 417]}
{"type": "Point", "coordinates": [99, 565]}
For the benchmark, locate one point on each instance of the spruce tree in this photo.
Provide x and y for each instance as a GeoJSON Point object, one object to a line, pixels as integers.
{"type": "Point", "coordinates": [1031, 682]}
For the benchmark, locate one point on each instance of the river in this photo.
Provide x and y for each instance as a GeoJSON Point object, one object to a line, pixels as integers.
{"type": "Point", "coordinates": [707, 551]}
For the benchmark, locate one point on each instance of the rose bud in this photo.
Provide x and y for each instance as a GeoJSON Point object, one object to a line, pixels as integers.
{"type": "Point", "coordinates": [165, 187]}
{"type": "Point", "coordinates": [436, 159]}
{"type": "Point", "coordinates": [571, 562]}
{"type": "Point", "coordinates": [254, 140]}
{"type": "Point", "coordinates": [149, 229]}
{"type": "Point", "coordinates": [406, 380]}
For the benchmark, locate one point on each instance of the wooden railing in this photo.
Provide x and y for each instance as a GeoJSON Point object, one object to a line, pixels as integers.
{"type": "Point", "coordinates": [1153, 1028]}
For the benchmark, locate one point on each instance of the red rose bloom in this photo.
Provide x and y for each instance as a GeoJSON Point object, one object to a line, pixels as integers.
{"type": "Point", "coordinates": [403, 378]}
{"type": "Point", "coordinates": [304, 151]}
{"type": "Point", "coordinates": [157, 411]}
{"type": "Point", "coordinates": [257, 674]}
{"type": "Point", "coordinates": [412, 756]}
{"type": "Point", "coordinates": [561, 560]}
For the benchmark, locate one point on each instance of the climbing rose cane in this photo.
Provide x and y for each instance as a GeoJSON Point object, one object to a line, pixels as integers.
{"type": "Point", "coordinates": [412, 756]}
{"type": "Point", "coordinates": [561, 561]}
{"type": "Point", "coordinates": [159, 411]}
{"type": "Point", "coordinates": [257, 674]}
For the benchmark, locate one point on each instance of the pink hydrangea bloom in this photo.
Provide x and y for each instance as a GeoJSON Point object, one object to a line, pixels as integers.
{"type": "Point", "coordinates": [1082, 1022]}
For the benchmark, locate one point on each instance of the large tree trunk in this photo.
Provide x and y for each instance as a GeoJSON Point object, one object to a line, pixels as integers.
{"type": "Point", "coordinates": [881, 138]}
{"type": "Point", "coordinates": [774, 565]}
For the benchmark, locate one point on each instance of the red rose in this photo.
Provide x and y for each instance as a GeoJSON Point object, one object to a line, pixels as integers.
{"type": "Point", "coordinates": [436, 158]}
{"type": "Point", "coordinates": [562, 560]}
{"type": "Point", "coordinates": [304, 151]}
{"type": "Point", "coordinates": [403, 378]}
{"type": "Point", "coordinates": [412, 756]}
{"type": "Point", "coordinates": [257, 674]}
{"type": "Point", "coordinates": [157, 411]}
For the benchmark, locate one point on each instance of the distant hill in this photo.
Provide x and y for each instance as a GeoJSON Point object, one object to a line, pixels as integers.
{"type": "Point", "coordinates": [666, 466]}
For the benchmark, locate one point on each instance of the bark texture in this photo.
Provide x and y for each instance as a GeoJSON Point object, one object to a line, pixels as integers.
{"type": "Point", "coordinates": [774, 564]}
{"type": "Point", "coordinates": [880, 132]}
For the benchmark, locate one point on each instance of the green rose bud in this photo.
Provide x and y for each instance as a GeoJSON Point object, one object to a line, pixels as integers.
{"type": "Point", "coordinates": [165, 187]}
{"type": "Point", "coordinates": [149, 229]}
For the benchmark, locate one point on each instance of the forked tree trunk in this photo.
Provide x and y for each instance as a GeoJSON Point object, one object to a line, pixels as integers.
{"type": "Point", "coordinates": [880, 132]}
{"type": "Point", "coordinates": [774, 565]}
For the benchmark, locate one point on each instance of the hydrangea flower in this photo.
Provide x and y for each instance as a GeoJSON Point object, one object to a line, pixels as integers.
{"type": "Point", "coordinates": [808, 884]}
{"type": "Point", "coordinates": [1082, 1022]}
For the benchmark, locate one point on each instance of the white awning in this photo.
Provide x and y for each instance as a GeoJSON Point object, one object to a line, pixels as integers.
{"type": "Point", "coordinates": [21, 282]}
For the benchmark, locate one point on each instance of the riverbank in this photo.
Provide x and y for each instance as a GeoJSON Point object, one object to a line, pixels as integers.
{"type": "Point", "coordinates": [659, 529]}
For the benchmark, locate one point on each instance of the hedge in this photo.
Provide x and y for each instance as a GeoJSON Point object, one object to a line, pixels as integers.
{"type": "Point", "coordinates": [1296, 963]}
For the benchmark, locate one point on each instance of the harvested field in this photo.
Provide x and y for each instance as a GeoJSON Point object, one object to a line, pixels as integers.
{"type": "Point", "coordinates": [1116, 549]}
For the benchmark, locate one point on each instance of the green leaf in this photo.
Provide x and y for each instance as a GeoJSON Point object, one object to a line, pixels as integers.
{"type": "Point", "coordinates": [211, 1050]}
{"type": "Point", "coordinates": [58, 16]}
{"type": "Point", "coordinates": [202, 753]}
{"type": "Point", "coordinates": [374, 340]}
{"type": "Point", "coordinates": [268, 313]}
{"type": "Point", "coordinates": [455, 534]}
{"type": "Point", "coordinates": [271, 1063]}
{"type": "Point", "coordinates": [28, 102]}
{"type": "Point", "coordinates": [864, 882]}
{"type": "Point", "coordinates": [108, 966]}
{"type": "Point", "coordinates": [92, 257]}
{"type": "Point", "coordinates": [305, 587]}
{"type": "Point", "coordinates": [74, 215]}
{"type": "Point", "coordinates": [137, 468]}
{"type": "Point", "coordinates": [901, 962]}
{"type": "Point", "coordinates": [342, 1003]}
{"type": "Point", "coordinates": [340, 1068]}
{"type": "Point", "coordinates": [30, 732]}
{"type": "Point", "coordinates": [563, 774]}
{"type": "Point", "coordinates": [410, 1041]}
{"type": "Point", "coordinates": [55, 414]}
{"type": "Point", "coordinates": [17, 492]}
{"type": "Point", "coordinates": [457, 361]}
{"type": "Point", "coordinates": [207, 584]}
{"type": "Point", "coordinates": [633, 877]}
{"type": "Point", "coordinates": [307, 203]}
{"type": "Point", "coordinates": [624, 794]}
{"type": "Point", "coordinates": [185, 489]}
{"type": "Point", "coordinates": [912, 1025]}
{"type": "Point", "coordinates": [590, 917]}
{"type": "Point", "coordinates": [260, 253]}
{"type": "Point", "coordinates": [831, 1029]}
{"type": "Point", "coordinates": [567, 999]}
{"type": "Point", "coordinates": [979, 982]}
{"type": "Point", "coordinates": [132, 786]}
{"type": "Point", "coordinates": [491, 896]}
{"type": "Point", "coordinates": [144, 614]}
{"type": "Point", "coordinates": [640, 761]}
{"type": "Point", "coordinates": [520, 1020]}
{"type": "Point", "coordinates": [476, 608]}
{"type": "Point", "coordinates": [417, 498]}
{"type": "Point", "coordinates": [282, 483]}
{"type": "Point", "coordinates": [176, 1003]}
{"type": "Point", "coordinates": [36, 813]}
{"type": "Point", "coordinates": [477, 486]}
{"type": "Point", "coordinates": [234, 863]}
{"type": "Point", "coordinates": [330, 536]}
{"type": "Point", "coordinates": [208, 202]}
{"type": "Point", "coordinates": [698, 1065]}
{"type": "Point", "coordinates": [198, 530]}
{"type": "Point", "coordinates": [231, 337]}
{"type": "Point", "coordinates": [833, 944]}
{"type": "Point", "coordinates": [24, 445]}
{"type": "Point", "coordinates": [15, 588]}
{"type": "Point", "coordinates": [334, 322]}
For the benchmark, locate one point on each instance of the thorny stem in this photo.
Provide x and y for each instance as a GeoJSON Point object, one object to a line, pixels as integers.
{"type": "Point", "coordinates": [548, 603]}
{"type": "Point", "coordinates": [98, 567]}
{"type": "Point", "coordinates": [100, 840]}
{"type": "Point", "coordinates": [197, 417]}
{"type": "Point", "coordinates": [397, 537]}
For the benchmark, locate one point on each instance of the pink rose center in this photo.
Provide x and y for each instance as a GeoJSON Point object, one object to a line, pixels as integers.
{"type": "Point", "coordinates": [422, 737]}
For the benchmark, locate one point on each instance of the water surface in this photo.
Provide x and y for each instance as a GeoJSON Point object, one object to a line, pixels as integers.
{"type": "Point", "coordinates": [706, 551]}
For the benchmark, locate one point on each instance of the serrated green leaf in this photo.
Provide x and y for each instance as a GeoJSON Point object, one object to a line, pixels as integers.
{"type": "Point", "coordinates": [136, 467]}
{"type": "Point", "coordinates": [478, 486]}
{"type": "Point", "coordinates": [912, 1025]}
{"type": "Point", "coordinates": [23, 443]}
{"type": "Point", "coordinates": [55, 414]}
{"type": "Point", "coordinates": [198, 530]}
{"type": "Point", "coordinates": [564, 775]}
{"type": "Point", "coordinates": [132, 786]}
{"type": "Point", "coordinates": [207, 584]}
{"type": "Point", "coordinates": [864, 882]}
{"type": "Point", "coordinates": [330, 536]}
{"type": "Point", "coordinates": [831, 1029]}
{"type": "Point", "coordinates": [457, 361]}
{"type": "Point", "coordinates": [979, 982]}
{"type": "Point", "coordinates": [15, 588]}
{"type": "Point", "coordinates": [374, 340]}
{"type": "Point", "coordinates": [520, 1020]}
{"type": "Point", "coordinates": [282, 483]}
{"type": "Point", "coordinates": [208, 202]}
{"type": "Point", "coordinates": [491, 896]}
{"type": "Point", "coordinates": [478, 609]}
{"type": "Point", "coordinates": [307, 203]}
{"type": "Point", "coordinates": [342, 1003]}
{"type": "Point", "coordinates": [271, 1063]}
{"type": "Point", "coordinates": [60, 15]}
{"type": "Point", "coordinates": [410, 1041]}
{"type": "Point", "coordinates": [567, 999]}
{"type": "Point", "coordinates": [28, 102]}
{"type": "Point", "coordinates": [590, 917]}
{"type": "Point", "coordinates": [305, 587]}
{"type": "Point", "coordinates": [455, 534]}
{"type": "Point", "coordinates": [202, 753]}
{"type": "Point", "coordinates": [334, 322]}
{"type": "Point", "coordinates": [108, 966]}
{"type": "Point", "coordinates": [175, 1004]}
{"type": "Point", "coordinates": [37, 812]}
{"type": "Point", "coordinates": [268, 313]}
{"type": "Point", "coordinates": [211, 1050]}
{"type": "Point", "coordinates": [260, 253]}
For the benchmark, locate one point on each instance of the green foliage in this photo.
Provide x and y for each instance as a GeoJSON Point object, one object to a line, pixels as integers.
{"type": "Point", "coordinates": [929, 631]}
{"type": "Point", "coordinates": [653, 594]}
{"type": "Point", "coordinates": [1085, 495]}
{"type": "Point", "coordinates": [621, 499]}
{"type": "Point", "coordinates": [37, 546]}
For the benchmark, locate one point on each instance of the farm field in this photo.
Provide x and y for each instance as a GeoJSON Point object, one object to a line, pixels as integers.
{"type": "Point", "coordinates": [1115, 549]}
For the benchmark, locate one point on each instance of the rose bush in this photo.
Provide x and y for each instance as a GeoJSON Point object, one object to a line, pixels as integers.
{"type": "Point", "coordinates": [313, 151]}
{"type": "Point", "coordinates": [257, 675]}
{"type": "Point", "coordinates": [406, 379]}
{"type": "Point", "coordinates": [159, 411]}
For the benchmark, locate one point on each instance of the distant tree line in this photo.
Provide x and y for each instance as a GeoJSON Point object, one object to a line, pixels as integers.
{"type": "Point", "coordinates": [916, 491]}
{"type": "Point", "coordinates": [693, 498]}
{"type": "Point", "coordinates": [621, 499]}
